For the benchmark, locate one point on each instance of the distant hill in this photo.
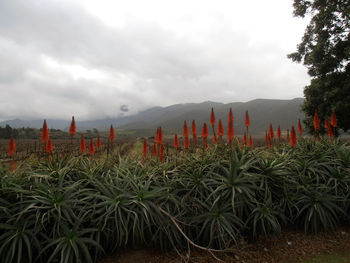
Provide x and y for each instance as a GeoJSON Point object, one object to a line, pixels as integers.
{"type": "Point", "coordinates": [262, 112]}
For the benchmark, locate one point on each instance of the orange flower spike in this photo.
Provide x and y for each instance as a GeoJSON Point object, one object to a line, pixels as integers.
{"type": "Point", "coordinates": [270, 140]}
{"type": "Point", "coordinates": [250, 143]}
{"type": "Point", "coordinates": [220, 129]}
{"type": "Point", "coordinates": [98, 143]}
{"type": "Point", "coordinates": [230, 132]}
{"type": "Point", "coordinates": [91, 147]}
{"type": "Point", "coordinates": [186, 142]}
{"type": "Point", "coordinates": [72, 128]}
{"type": "Point", "coordinates": [212, 118]}
{"type": "Point", "coordinates": [334, 121]}
{"type": "Point", "coordinates": [293, 137]}
{"type": "Point", "coordinates": [161, 153]}
{"type": "Point", "coordinates": [230, 116]}
{"type": "Point", "coordinates": [300, 128]}
{"type": "Point", "coordinates": [49, 147]}
{"type": "Point", "coordinates": [215, 140]}
{"type": "Point", "coordinates": [154, 151]}
{"type": "Point", "coordinates": [11, 147]}
{"type": "Point", "coordinates": [111, 133]}
{"type": "Point", "coordinates": [45, 133]}
{"type": "Point", "coordinates": [82, 145]}
{"type": "Point", "coordinates": [194, 131]}
{"type": "Point", "coordinates": [144, 148]}
{"type": "Point", "coordinates": [245, 139]}
{"type": "Point", "coordinates": [330, 133]}
{"type": "Point", "coordinates": [185, 132]}
{"type": "Point", "coordinates": [205, 131]}
{"type": "Point", "coordinates": [157, 136]}
{"type": "Point", "coordinates": [272, 135]}
{"type": "Point", "coordinates": [279, 134]}
{"type": "Point", "coordinates": [316, 121]}
{"type": "Point", "coordinates": [246, 119]}
{"type": "Point", "coordinates": [160, 135]}
{"type": "Point", "coordinates": [326, 123]}
{"type": "Point", "coordinates": [176, 142]}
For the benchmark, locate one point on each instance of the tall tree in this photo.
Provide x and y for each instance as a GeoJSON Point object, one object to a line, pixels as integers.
{"type": "Point", "coordinates": [325, 51]}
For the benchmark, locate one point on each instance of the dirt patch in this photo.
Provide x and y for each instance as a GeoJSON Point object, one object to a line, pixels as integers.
{"type": "Point", "coordinates": [290, 246]}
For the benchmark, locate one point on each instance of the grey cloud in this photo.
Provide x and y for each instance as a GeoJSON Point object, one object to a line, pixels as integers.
{"type": "Point", "coordinates": [145, 65]}
{"type": "Point", "coordinates": [124, 108]}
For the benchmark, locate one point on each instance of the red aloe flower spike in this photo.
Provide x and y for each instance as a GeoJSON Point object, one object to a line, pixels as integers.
{"type": "Point", "coordinates": [250, 144]}
{"type": "Point", "coordinates": [194, 132]}
{"type": "Point", "coordinates": [98, 143]}
{"type": "Point", "coordinates": [144, 148]}
{"type": "Point", "coordinates": [176, 142]}
{"type": "Point", "coordinates": [300, 128]}
{"type": "Point", "coordinates": [205, 135]}
{"type": "Point", "coordinates": [316, 122]}
{"type": "Point", "coordinates": [82, 145]}
{"type": "Point", "coordinates": [334, 121]}
{"type": "Point", "coordinates": [293, 137]}
{"type": "Point", "coordinates": [186, 142]}
{"type": "Point", "coordinates": [160, 135]}
{"type": "Point", "coordinates": [279, 134]}
{"type": "Point", "coordinates": [212, 118]}
{"type": "Point", "coordinates": [72, 128]}
{"type": "Point", "coordinates": [330, 132]}
{"type": "Point", "coordinates": [49, 147]}
{"type": "Point", "coordinates": [45, 133]}
{"type": "Point", "coordinates": [246, 119]}
{"type": "Point", "coordinates": [287, 136]}
{"type": "Point", "coordinates": [11, 147]}
{"type": "Point", "coordinates": [326, 124]}
{"type": "Point", "coordinates": [272, 135]}
{"type": "Point", "coordinates": [185, 132]}
{"type": "Point", "coordinates": [111, 133]}
{"type": "Point", "coordinates": [220, 129]}
{"type": "Point", "coordinates": [230, 116]}
{"type": "Point", "coordinates": [215, 140]}
{"type": "Point", "coordinates": [157, 140]}
{"type": "Point", "coordinates": [244, 139]}
{"type": "Point", "coordinates": [91, 147]}
{"type": "Point", "coordinates": [230, 132]}
{"type": "Point", "coordinates": [205, 131]}
{"type": "Point", "coordinates": [154, 151]}
{"type": "Point", "coordinates": [161, 153]}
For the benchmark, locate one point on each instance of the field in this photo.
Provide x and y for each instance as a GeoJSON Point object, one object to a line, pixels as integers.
{"type": "Point", "coordinates": [80, 208]}
{"type": "Point", "coordinates": [79, 201]}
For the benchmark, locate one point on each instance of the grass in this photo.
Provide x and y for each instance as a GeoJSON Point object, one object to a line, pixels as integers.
{"type": "Point", "coordinates": [336, 258]}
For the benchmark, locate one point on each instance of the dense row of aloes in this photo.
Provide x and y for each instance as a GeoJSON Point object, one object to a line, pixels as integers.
{"type": "Point", "coordinates": [74, 209]}
{"type": "Point", "coordinates": [291, 136]}
{"type": "Point", "coordinates": [48, 145]}
{"type": "Point", "coordinates": [217, 135]}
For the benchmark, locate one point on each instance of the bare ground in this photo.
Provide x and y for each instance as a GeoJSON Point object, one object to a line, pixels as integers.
{"type": "Point", "coordinates": [289, 247]}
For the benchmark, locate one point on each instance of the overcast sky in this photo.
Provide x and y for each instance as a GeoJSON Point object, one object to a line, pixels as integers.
{"type": "Point", "coordinates": [99, 58]}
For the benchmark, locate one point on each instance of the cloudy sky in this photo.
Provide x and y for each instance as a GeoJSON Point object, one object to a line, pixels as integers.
{"type": "Point", "coordinates": [99, 58]}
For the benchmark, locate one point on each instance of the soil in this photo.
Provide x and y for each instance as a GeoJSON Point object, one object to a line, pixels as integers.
{"type": "Point", "coordinates": [288, 247]}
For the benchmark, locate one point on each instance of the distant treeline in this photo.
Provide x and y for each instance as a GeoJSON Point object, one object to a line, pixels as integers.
{"type": "Point", "coordinates": [29, 133]}
{"type": "Point", "coordinates": [33, 133]}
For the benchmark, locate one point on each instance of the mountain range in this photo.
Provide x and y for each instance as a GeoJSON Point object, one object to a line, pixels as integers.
{"type": "Point", "coordinates": [262, 112]}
